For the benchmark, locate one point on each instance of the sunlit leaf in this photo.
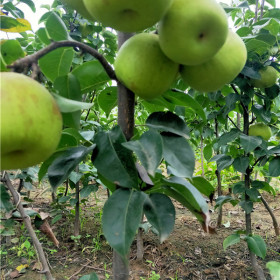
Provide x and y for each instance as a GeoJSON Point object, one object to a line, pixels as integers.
{"type": "Point", "coordinates": [56, 28]}
{"type": "Point", "coordinates": [18, 25]}
{"type": "Point", "coordinates": [57, 63]}
{"type": "Point", "coordinates": [90, 75]}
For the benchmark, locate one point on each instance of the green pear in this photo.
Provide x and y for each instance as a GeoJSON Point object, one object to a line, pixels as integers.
{"type": "Point", "coordinates": [128, 15]}
{"type": "Point", "coordinates": [78, 5]}
{"type": "Point", "coordinates": [143, 68]}
{"type": "Point", "coordinates": [221, 69]}
{"type": "Point", "coordinates": [268, 78]}
{"type": "Point", "coordinates": [31, 122]}
{"type": "Point", "coordinates": [192, 31]}
{"type": "Point", "coordinates": [260, 129]}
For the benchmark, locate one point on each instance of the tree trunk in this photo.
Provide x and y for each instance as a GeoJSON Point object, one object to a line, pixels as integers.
{"type": "Point", "coordinates": [258, 270]}
{"type": "Point", "coordinates": [201, 157]}
{"type": "Point", "coordinates": [220, 213]}
{"type": "Point", "coordinates": [126, 100]}
{"type": "Point", "coordinates": [77, 224]}
{"type": "Point", "coordinates": [219, 180]}
{"type": "Point", "coordinates": [27, 221]}
{"type": "Point", "coordinates": [140, 246]}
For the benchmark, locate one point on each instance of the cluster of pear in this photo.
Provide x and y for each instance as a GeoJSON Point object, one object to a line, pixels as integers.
{"type": "Point", "coordinates": [31, 122]}
{"type": "Point", "coordinates": [193, 38]}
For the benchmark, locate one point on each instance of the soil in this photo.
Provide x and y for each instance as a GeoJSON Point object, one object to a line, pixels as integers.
{"type": "Point", "coordinates": [188, 253]}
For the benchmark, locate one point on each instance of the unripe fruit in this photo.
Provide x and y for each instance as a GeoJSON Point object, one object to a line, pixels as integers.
{"type": "Point", "coordinates": [260, 129]}
{"type": "Point", "coordinates": [79, 6]}
{"type": "Point", "coordinates": [143, 68]}
{"type": "Point", "coordinates": [31, 122]}
{"type": "Point", "coordinates": [268, 78]}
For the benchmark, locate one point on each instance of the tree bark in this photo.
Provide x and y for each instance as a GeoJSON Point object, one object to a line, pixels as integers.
{"type": "Point", "coordinates": [77, 224]}
{"type": "Point", "coordinates": [126, 104]}
{"type": "Point", "coordinates": [258, 270]}
{"type": "Point", "coordinates": [274, 221]}
{"type": "Point", "coordinates": [40, 252]}
{"type": "Point", "coordinates": [219, 180]}
{"type": "Point", "coordinates": [201, 157]}
{"type": "Point", "coordinates": [140, 247]}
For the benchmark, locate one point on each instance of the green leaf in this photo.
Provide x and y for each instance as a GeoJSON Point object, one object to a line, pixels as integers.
{"type": "Point", "coordinates": [274, 269]}
{"type": "Point", "coordinates": [168, 122]}
{"type": "Point", "coordinates": [261, 113]}
{"type": "Point", "coordinates": [181, 98]}
{"type": "Point", "coordinates": [274, 167]}
{"type": "Point", "coordinates": [113, 160]}
{"type": "Point", "coordinates": [231, 240]}
{"type": "Point", "coordinates": [202, 185]}
{"type": "Point", "coordinates": [148, 149]}
{"type": "Point", "coordinates": [5, 199]}
{"type": "Point", "coordinates": [224, 199]}
{"type": "Point", "coordinates": [56, 63]}
{"type": "Point", "coordinates": [30, 4]}
{"type": "Point", "coordinates": [160, 212]}
{"type": "Point", "coordinates": [8, 24]}
{"type": "Point", "coordinates": [247, 206]}
{"type": "Point", "coordinates": [179, 155]}
{"type": "Point", "coordinates": [68, 105]}
{"type": "Point", "coordinates": [231, 101]}
{"type": "Point", "coordinates": [208, 152]}
{"type": "Point", "coordinates": [272, 92]}
{"type": "Point", "coordinates": [241, 164]}
{"type": "Point", "coordinates": [28, 212]}
{"type": "Point", "coordinates": [224, 162]}
{"type": "Point", "coordinates": [253, 194]}
{"type": "Point", "coordinates": [249, 143]}
{"type": "Point", "coordinates": [263, 186]}
{"type": "Point", "coordinates": [56, 28]}
{"type": "Point", "coordinates": [189, 192]}
{"type": "Point", "coordinates": [11, 51]}
{"type": "Point", "coordinates": [43, 35]}
{"type": "Point", "coordinates": [239, 187]}
{"type": "Point", "coordinates": [258, 46]}
{"type": "Point", "coordinates": [68, 86]}
{"type": "Point", "coordinates": [91, 276]}
{"type": "Point", "coordinates": [90, 74]}
{"type": "Point", "coordinates": [65, 163]}
{"type": "Point", "coordinates": [11, 8]}
{"type": "Point", "coordinates": [273, 27]}
{"type": "Point", "coordinates": [87, 190]}
{"type": "Point", "coordinates": [108, 99]}
{"type": "Point", "coordinates": [256, 245]}
{"type": "Point", "coordinates": [121, 218]}
{"type": "Point", "coordinates": [228, 137]}
{"type": "Point", "coordinates": [250, 72]}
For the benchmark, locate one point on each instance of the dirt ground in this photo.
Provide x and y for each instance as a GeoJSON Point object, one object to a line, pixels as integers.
{"type": "Point", "coordinates": [189, 253]}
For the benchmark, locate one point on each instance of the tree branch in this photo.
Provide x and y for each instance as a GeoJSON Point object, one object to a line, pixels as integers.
{"type": "Point", "coordinates": [25, 62]}
{"type": "Point", "coordinates": [46, 270]}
